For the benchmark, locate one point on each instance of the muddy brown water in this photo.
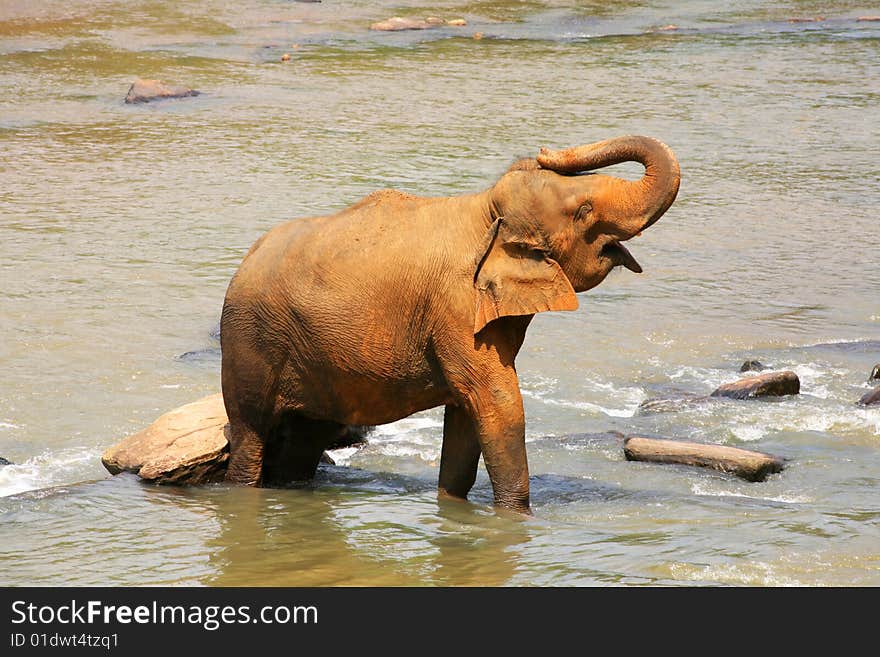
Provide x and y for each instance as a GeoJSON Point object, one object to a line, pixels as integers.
{"type": "Point", "coordinates": [120, 227]}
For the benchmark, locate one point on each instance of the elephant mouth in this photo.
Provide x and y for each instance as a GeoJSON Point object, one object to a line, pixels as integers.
{"type": "Point", "coordinates": [620, 256]}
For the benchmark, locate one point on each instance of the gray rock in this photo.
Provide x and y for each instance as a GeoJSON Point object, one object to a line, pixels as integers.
{"type": "Point", "coordinates": [145, 91]}
{"type": "Point", "coordinates": [772, 384]}
{"type": "Point", "coordinates": [209, 354]}
{"type": "Point", "coordinates": [353, 435]}
{"type": "Point", "coordinates": [3, 461]}
{"type": "Point", "coordinates": [871, 398]}
{"type": "Point", "coordinates": [673, 404]}
{"type": "Point", "coordinates": [752, 366]}
{"type": "Point", "coordinates": [875, 373]}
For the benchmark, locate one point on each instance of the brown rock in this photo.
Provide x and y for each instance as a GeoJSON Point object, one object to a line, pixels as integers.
{"type": "Point", "coordinates": [869, 18]}
{"type": "Point", "coordinates": [285, 57]}
{"type": "Point", "coordinates": [457, 22]}
{"type": "Point", "coordinates": [145, 91]}
{"type": "Point", "coordinates": [190, 445]}
{"type": "Point", "coordinates": [871, 398]}
{"type": "Point", "coordinates": [185, 446]}
{"type": "Point", "coordinates": [749, 465]}
{"type": "Point", "coordinates": [772, 384]}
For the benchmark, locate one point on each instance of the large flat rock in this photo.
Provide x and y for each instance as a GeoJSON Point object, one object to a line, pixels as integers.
{"type": "Point", "coordinates": [188, 445]}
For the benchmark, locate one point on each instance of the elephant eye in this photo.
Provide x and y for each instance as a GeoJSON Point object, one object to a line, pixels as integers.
{"type": "Point", "coordinates": [583, 211]}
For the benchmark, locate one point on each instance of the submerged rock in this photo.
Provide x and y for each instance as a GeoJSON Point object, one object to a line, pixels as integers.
{"type": "Point", "coordinates": [772, 384]}
{"type": "Point", "coordinates": [188, 445]}
{"type": "Point", "coordinates": [145, 91]}
{"type": "Point", "coordinates": [749, 465]}
{"type": "Point", "coordinates": [398, 23]}
{"type": "Point", "coordinates": [752, 366]}
{"type": "Point", "coordinates": [209, 354]}
{"type": "Point", "coordinates": [871, 398]}
{"type": "Point", "coordinates": [3, 461]}
{"type": "Point", "coordinates": [685, 402]}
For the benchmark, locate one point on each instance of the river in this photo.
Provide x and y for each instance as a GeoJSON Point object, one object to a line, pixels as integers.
{"type": "Point", "coordinates": [121, 225]}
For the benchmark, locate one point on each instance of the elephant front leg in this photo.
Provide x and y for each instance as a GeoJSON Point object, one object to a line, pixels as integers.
{"type": "Point", "coordinates": [494, 408]}
{"type": "Point", "coordinates": [460, 455]}
{"type": "Point", "coordinates": [500, 425]}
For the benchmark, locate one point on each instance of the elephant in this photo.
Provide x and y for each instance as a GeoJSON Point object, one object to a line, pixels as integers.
{"type": "Point", "coordinates": [401, 303]}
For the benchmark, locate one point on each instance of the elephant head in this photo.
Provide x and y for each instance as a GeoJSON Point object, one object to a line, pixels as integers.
{"type": "Point", "coordinates": [558, 230]}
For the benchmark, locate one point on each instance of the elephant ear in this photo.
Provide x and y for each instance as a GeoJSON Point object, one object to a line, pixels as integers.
{"type": "Point", "coordinates": [516, 275]}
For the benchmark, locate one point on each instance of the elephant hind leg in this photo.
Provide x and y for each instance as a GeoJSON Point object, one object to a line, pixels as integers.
{"type": "Point", "coordinates": [460, 454]}
{"type": "Point", "coordinates": [294, 448]}
{"type": "Point", "coordinates": [245, 455]}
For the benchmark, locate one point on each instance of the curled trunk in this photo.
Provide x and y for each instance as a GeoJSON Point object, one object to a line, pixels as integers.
{"type": "Point", "coordinates": [640, 203]}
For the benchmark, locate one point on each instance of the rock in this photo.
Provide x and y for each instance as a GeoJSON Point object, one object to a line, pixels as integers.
{"type": "Point", "coordinates": [3, 461]}
{"type": "Point", "coordinates": [772, 384]}
{"type": "Point", "coordinates": [752, 366]}
{"type": "Point", "coordinates": [809, 19]}
{"type": "Point", "coordinates": [326, 459]}
{"type": "Point", "coordinates": [145, 91]}
{"type": "Point", "coordinates": [398, 23]}
{"type": "Point", "coordinates": [353, 435]}
{"type": "Point", "coordinates": [673, 404]}
{"type": "Point", "coordinates": [875, 373]}
{"type": "Point", "coordinates": [478, 35]}
{"type": "Point", "coordinates": [210, 354]}
{"type": "Point", "coordinates": [868, 18]}
{"type": "Point", "coordinates": [285, 57]}
{"type": "Point", "coordinates": [752, 466]}
{"type": "Point", "coordinates": [871, 398]}
{"type": "Point", "coordinates": [188, 445]}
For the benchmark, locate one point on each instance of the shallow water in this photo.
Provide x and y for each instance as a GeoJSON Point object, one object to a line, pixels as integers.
{"type": "Point", "coordinates": [120, 227]}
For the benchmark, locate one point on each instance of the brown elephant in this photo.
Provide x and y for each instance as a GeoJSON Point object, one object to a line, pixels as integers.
{"type": "Point", "coordinates": [400, 303]}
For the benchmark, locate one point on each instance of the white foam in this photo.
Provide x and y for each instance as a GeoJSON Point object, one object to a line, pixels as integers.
{"type": "Point", "coordinates": [342, 456]}
{"type": "Point", "coordinates": [747, 433]}
{"type": "Point", "coordinates": [406, 425]}
{"type": "Point", "coordinates": [705, 488]}
{"type": "Point", "coordinates": [44, 470]}
{"type": "Point", "coordinates": [631, 396]}
{"type": "Point", "coordinates": [754, 573]}
{"type": "Point", "coordinates": [8, 425]}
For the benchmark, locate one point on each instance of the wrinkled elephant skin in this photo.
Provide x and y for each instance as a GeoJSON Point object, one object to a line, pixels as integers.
{"type": "Point", "coordinates": [400, 303]}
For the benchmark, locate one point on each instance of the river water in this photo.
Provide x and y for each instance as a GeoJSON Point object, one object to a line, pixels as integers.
{"type": "Point", "coordinates": [121, 225]}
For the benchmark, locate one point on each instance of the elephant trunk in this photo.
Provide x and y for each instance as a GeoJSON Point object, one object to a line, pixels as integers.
{"type": "Point", "coordinates": [640, 203]}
